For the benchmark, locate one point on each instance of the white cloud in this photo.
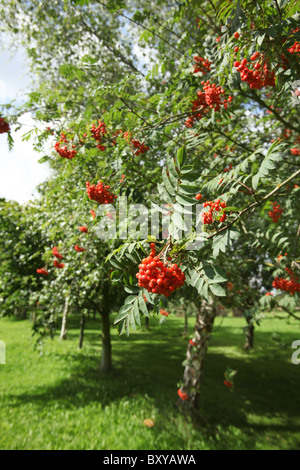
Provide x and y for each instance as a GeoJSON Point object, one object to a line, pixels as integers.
{"type": "Point", "coordinates": [20, 171]}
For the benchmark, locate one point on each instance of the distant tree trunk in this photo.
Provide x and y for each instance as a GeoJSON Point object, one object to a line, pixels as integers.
{"type": "Point", "coordinates": [24, 314]}
{"type": "Point", "coordinates": [249, 343]}
{"type": "Point", "coordinates": [81, 333]}
{"type": "Point", "coordinates": [63, 331]}
{"type": "Point", "coordinates": [195, 356]}
{"type": "Point", "coordinates": [147, 323]}
{"type": "Point", "coordinates": [106, 362]}
{"type": "Point", "coordinates": [186, 326]}
{"type": "Point", "coordinates": [237, 312]}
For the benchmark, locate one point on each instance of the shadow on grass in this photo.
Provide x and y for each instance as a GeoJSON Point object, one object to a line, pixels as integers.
{"type": "Point", "coordinates": [149, 364]}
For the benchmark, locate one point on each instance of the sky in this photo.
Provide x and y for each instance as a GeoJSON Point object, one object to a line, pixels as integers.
{"type": "Point", "coordinates": [20, 171]}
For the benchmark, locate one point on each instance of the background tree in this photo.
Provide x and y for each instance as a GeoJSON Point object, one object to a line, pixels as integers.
{"type": "Point", "coordinates": [220, 92]}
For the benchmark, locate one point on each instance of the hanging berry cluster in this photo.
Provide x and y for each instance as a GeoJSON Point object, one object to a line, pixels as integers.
{"type": "Point", "coordinates": [201, 65]}
{"type": "Point", "coordinates": [98, 132]}
{"type": "Point", "coordinates": [164, 313]}
{"type": "Point", "coordinates": [42, 271]}
{"type": "Point", "coordinates": [157, 277]}
{"type": "Point", "coordinates": [136, 144]}
{"type": "Point", "coordinates": [77, 248]}
{"type": "Point", "coordinates": [100, 193]}
{"type": "Point", "coordinates": [290, 286]}
{"type": "Point", "coordinates": [58, 265]}
{"type": "Point", "coordinates": [260, 76]}
{"type": "Point", "coordinates": [4, 126]}
{"type": "Point", "coordinates": [214, 208]}
{"type": "Point", "coordinates": [141, 147]}
{"type": "Point", "coordinates": [182, 395]}
{"type": "Point", "coordinates": [209, 98]}
{"type": "Point", "coordinates": [275, 214]}
{"type": "Point", "coordinates": [56, 253]}
{"type": "Point", "coordinates": [64, 151]}
{"type": "Point", "coordinates": [228, 169]}
{"type": "Point", "coordinates": [295, 49]}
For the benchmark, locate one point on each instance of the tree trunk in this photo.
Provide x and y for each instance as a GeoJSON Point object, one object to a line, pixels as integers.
{"type": "Point", "coordinates": [237, 312]}
{"type": "Point", "coordinates": [186, 326]}
{"type": "Point", "coordinates": [106, 363]}
{"type": "Point", "coordinates": [147, 323]}
{"type": "Point", "coordinates": [249, 337]}
{"type": "Point", "coordinates": [81, 333]}
{"type": "Point", "coordinates": [195, 356]}
{"type": "Point", "coordinates": [24, 314]}
{"type": "Point", "coordinates": [63, 331]}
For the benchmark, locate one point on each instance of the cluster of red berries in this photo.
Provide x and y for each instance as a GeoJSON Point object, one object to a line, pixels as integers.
{"type": "Point", "coordinates": [260, 77]}
{"type": "Point", "coordinates": [295, 151]}
{"type": "Point", "coordinates": [275, 214]}
{"type": "Point", "coordinates": [141, 147]}
{"type": "Point", "coordinates": [182, 395]}
{"type": "Point", "coordinates": [164, 313]}
{"type": "Point", "coordinates": [64, 151]}
{"type": "Point", "coordinates": [228, 169]}
{"type": "Point", "coordinates": [51, 131]}
{"type": "Point", "coordinates": [56, 253]}
{"type": "Point", "coordinates": [83, 229]}
{"type": "Point", "coordinates": [214, 207]}
{"type": "Point", "coordinates": [295, 49]}
{"type": "Point", "coordinates": [279, 257]}
{"type": "Point", "coordinates": [4, 126]}
{"type": "Point", "coordinates": [42, 271]}
{"type": "Point", "coordinates": [100, 193]}
{"type": "Point", "coordinates": [158, 278]}
{"type": "Point", "coordinates": [228, 383]}
{"type": "Point", "coordinates": [56, 264]}
{"type": "Point", "coordinates": [98, 132]}
{"type": "Point", "coordinates": [201, 65]}
{"type": "Point", "coordinates": [286, 134]}
{"type": "Point", "coordinates": [290, 286]}
{"type": "Point", "coordinates": [209, 98]}
{"type": "Point", "coordinates": [77, 248]}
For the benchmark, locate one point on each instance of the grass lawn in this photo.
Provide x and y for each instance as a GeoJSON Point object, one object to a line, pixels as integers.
{"type": "Point", "coordinates": [57, 399]}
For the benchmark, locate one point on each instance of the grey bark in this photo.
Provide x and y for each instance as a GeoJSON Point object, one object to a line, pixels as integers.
{"type": "Point", "coordinates": [249, 343]}
{"type": "Point", "coordinates": [63, 331]}
{"type": "Point", "coordinates": [106, 362]}
{"type": "Point", "coordinates": [195, 356]}
{"type": "Point", "coordinates": [81, 333]}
